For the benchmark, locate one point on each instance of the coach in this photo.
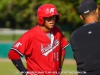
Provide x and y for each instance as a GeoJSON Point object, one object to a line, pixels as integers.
{"type": "Point", "coordinates": [85, 41]}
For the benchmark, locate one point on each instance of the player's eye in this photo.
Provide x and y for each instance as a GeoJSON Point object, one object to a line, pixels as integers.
{"type": "Point", "coordinates": [50, 18]}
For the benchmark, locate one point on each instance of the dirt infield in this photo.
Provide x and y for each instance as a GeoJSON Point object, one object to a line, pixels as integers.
{"type": "Point", "coordinates": [66, 61]}
{"type": "Point", "coordinates": [69, 61]}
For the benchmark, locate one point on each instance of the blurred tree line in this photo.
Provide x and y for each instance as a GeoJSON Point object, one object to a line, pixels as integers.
{"type": "Point", "coordinates": [22, 14]}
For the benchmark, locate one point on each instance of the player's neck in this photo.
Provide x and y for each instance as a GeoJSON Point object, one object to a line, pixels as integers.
{"type": "Point", "coordinates": [44, 29]}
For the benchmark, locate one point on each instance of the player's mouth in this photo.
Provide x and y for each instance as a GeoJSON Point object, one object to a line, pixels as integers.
{"type": "Point", "coordinates": [52, 24]}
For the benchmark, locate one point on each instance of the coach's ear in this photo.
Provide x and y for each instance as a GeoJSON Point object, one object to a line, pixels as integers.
{"type": "Point", "coordinates": [97, 12]}
{"type": "Point", "coordinates": [81, 17]}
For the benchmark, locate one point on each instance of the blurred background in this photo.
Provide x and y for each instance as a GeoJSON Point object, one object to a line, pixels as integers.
{"type": "Point", "coordinates": [18, 16]}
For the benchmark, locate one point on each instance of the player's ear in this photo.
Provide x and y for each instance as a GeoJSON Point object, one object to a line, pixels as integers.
{"type": "Point", "coordinates": [97, 11]}
{"type": "Point", "coordinates": [81, 17]}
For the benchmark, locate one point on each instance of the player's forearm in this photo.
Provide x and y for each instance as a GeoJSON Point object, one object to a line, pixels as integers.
{"type": "Point", "coordinates": [62, 57]}
{"type": "Point", "coordinates": [62, 60]}
{"type": "Point", "coordinates": [15, 58]}
{"type": "Point", "coordinates": [19, 65]}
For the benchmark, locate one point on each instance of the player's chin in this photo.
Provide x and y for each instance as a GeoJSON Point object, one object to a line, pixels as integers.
{"type": "Point", "coordinates": [51, 26]}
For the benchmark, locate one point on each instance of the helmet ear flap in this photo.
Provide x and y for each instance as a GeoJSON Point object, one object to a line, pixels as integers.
{"type": "Point", "coordinates": [40, 20]}
{"type": "Point", "coordinates": [57, 18]}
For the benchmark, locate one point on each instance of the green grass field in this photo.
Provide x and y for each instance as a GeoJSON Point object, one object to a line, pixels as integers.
{"type": "Point", "coordinates": [8, 37]}
{"type": "Point", "coordinates": [7, 68]}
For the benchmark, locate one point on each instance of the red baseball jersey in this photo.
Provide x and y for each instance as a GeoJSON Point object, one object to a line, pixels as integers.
{"type": "Point", "coordinates": [42, 54]}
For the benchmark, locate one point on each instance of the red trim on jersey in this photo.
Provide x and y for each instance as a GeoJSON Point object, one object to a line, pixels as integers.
{"type": "Point", "coordinates": [13, 55]}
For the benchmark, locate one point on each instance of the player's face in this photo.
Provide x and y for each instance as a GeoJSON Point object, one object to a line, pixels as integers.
{"type": "Point", "coordinates": [50, 22]}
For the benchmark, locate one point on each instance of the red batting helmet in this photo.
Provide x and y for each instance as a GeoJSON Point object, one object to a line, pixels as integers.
{"type": "Point", "coordinates": [46, 10]}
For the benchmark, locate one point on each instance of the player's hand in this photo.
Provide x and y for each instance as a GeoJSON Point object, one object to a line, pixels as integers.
{"type": "Point", "coordinates": [29, 73]}
{"type": "Point", "coordinates": [24, 72]}
{"type": "Point", "coordinates": [59, 71]}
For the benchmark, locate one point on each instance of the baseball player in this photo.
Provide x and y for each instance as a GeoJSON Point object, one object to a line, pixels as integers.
{"type": "Point", "coordinates": [85, 40]}
{"type": "Point", "coordinates": [43, 46]}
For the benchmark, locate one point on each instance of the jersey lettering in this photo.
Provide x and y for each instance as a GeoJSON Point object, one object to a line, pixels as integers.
{"type": "Point", "coordinates": [49, 48]}
{"type": "Point", "coordinates": [17, 45]}
{"type": "Point", "coordinates": [52, 10]}
{"type": "Point", "coordinates": [56, 56]}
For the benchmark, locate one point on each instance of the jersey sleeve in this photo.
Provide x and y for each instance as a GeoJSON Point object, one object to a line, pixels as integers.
{"type": "Point", "coordinates": [64, 44]}
{"type": "Point", "coordinates": [23, 45]}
